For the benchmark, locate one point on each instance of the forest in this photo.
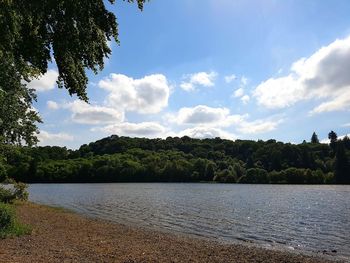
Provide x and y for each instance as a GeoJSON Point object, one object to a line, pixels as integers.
{"type": "Point", "coordinates": [174, 159]}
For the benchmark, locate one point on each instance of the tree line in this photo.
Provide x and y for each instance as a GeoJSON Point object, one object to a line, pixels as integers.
{"type": "Point", "coordinates": [174, 159]}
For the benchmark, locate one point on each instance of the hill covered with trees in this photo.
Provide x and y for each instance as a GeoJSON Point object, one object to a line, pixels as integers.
{"type": "Point", "coordinates": [174, 159]}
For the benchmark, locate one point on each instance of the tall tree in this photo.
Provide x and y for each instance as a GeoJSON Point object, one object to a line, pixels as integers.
{"type": "Point", "coordinates": [314, 138]}
{"type": "Point", "coordinates": [73, 32]}
{"type": "Point", "coordinates": [342, 166]}
{"type": "Point", "coordinates": [332, 136]}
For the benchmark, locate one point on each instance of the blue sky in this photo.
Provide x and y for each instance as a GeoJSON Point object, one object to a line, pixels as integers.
{"type": "Point", "coordinates": [228, 68]}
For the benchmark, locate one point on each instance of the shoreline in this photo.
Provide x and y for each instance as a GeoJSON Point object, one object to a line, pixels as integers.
{"type": "Point", "coordinates": [60, 235]}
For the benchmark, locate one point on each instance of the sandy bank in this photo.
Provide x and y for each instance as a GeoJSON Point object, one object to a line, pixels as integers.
{"type": "Point", "coordinates": [61, 236]}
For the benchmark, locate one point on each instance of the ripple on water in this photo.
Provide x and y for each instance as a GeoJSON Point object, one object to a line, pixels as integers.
{"type": "Point", "coordinates": [308, 218]}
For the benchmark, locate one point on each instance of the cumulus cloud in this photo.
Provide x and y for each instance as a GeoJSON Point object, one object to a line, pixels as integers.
{"type": "Point", "coordinates": [258, 126]}
{"type": "Point", "coordinates": [45, 82]}
{"type": "Point", "coordinates": [147, 95]}
{"type": "Point", "coordinates": [238, 93]}
{"type": "Point", "coordinates": [324, 75]}
{"type": "Point", "coordinates": [245, 99]}
{"type": "Point", "coordinates": [204, 79]}
{"type": "Point", "coordinates": [230, 78]}
{"type": "Point", "coordinates": [338, 103]}
{"type": "Point", "coordinates": [201, 114]}
{"type": "Point", "coordinates": [57, 139]}
{"type": "Point", "coordinates": [85, 113]}
{"type": "Point", "coordinates": [203, 118]}
{"type": "Point", "coordinates": [52, 105]}
{"type": "Point", "coordinates": [143, 129]}
{"type": "Point", "coordinates": [207, 132]}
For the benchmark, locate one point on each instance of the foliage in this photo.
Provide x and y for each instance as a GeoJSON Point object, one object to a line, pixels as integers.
{"type": "Point", "coordinates": [17, 118]}
{"type": "Point", "coordinates": [6, 195]}
{"type": "Point", "coordinates": [75, 33]}
{"type": "Point", "coordinates": [8, 223]}
{"type": "Point", "coordinates": [314, 138]}
{"type": "Point", "coordinates": [7, 216]}
{"type": "Point", "coordinates": [332, 136]}
{"type": "Point", "coordinates": [18, 192]}
{"type": "Point", "coordinates": [342, 165]}
{"type": "Point", "coordinates": [2, 172]}
{"type": "Point", "coordinates": [124, 159]}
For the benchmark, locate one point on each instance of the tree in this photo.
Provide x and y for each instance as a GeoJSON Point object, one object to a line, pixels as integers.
{"type": "Point", "coordinates": [332, 136]}
{"type": "Point", "coordinates": [346, 141]}
{"type": "Point", "coordinates": [17, 118]}
{"type": "Point", "coordinates": [73, 32]}
{"type": "Point", "coordinates": [342, 167]}
{"type": "Point", "coordinates": [314, 138]}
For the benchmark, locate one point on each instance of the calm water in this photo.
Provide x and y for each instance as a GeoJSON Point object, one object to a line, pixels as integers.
{"type": "Point", "coordinates": [308, 218]}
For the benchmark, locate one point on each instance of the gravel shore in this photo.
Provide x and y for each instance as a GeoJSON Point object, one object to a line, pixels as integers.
{"type": "Point", "coordinates": [62, 236]}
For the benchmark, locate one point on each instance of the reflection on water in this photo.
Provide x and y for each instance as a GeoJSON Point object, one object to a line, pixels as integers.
{"type": "Point", "coordinates": [310, 218]}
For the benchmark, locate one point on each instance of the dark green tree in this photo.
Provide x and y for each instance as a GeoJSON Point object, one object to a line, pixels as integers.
{"type": "Point", "coordinates": [342, 167]}
{"type": "Point", "coordinates": [332, 136]}
{"type": "Point", "coordinates": [314, 138]}
{"type": "Point", "coordinates": [346, 141]}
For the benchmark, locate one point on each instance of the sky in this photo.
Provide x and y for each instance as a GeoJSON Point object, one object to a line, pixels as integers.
{"type": "Point", "coordinates": [235, 69]}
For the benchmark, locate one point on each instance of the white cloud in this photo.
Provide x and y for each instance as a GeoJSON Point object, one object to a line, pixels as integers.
{"type": "Point", "coordinates": [57, 139]}
{"type": "Point", "coordinates": [346, 125]}
{"type": "Point", "coordinates": [245, 99]}
{"type": "Point", "coordinates": [238, 93]}
{"type": "Point", "coordinates": [230, 78]}
{"type": "Point", "coordinates": [85, 113]}
{"type": "Point", "coordinates": [279, 93]}
{"type": "Point", "coordinates": [143, 129]}
{"type": "Point", "coordinates": [244, 81]}
{"type": "Point", "coordinates": [323, 75]}
{"type": "Point", "coordinates": [45, 82]}
{"type": "Point", "coordinates": [147, 95]}
{"type": "Point", "coordinates": [52, 105]}
{"type": "Point", "coordinates": [205, 79]}
{"type": "Point", "coordinates": [335, 104]}
{"type": "Point", "coordinates": [201, 114]}
{"type": "Point", "coordinates": [258, 126]}
{"type": "Point", "coordinates": [207, 132]}
{"type": "Point", "coordinates": [203, 118]}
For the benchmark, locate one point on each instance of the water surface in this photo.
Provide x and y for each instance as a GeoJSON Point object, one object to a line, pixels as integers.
{"type": "Point", "coordinates": [307, 218]}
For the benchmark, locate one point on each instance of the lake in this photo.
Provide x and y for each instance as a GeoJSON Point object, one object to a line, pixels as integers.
{"type": "Point", "coordinates": [309, 218]}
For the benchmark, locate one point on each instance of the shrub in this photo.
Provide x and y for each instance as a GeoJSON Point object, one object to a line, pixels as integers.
{"type": "Point", "coordinates": [20, 191]}
{"type": "Point", "coordinates": [8, 223]}
{"type": "Point", "coordinates": [6, 195]}
{"type": "Point", "coordinates": [7, 217]}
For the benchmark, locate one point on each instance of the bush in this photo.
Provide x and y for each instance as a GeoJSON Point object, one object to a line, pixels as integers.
{"type": "Point", "coordinates": [6, 195]}
{"type": "Point", "coordinates": [8, 223]}
{"type": "Point", "coordinates": [20, 191]}
{"type": "Point", "coordinates": [7, 217]}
